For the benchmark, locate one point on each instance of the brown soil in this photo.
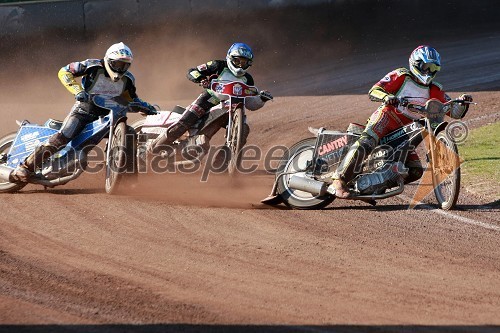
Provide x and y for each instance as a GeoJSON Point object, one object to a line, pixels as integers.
{"type": "Point", "coordinates": [178, 254]}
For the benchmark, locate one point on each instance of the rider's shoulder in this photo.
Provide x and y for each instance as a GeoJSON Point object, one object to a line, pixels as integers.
{"type": "Point", "coordinates": [130, 76]}
{"type": "Point", "coordinates": [437, 85]}
{"type": "Point", "coordinates": [249, 79]}
{"type": "Point", "coordinates": [92, 63]}
{"type": "Point", "coordinates": [401, 71]}
{"type": "Point", "coordinates": [217, 63]}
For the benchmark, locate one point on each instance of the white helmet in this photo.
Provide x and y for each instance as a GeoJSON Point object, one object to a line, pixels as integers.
{"type": "Point", "coordinates": [117, 60]}
{"type": "Point", "coordinates": [425, 63]}
{"type": "Point", "coordinates": [239, 57]}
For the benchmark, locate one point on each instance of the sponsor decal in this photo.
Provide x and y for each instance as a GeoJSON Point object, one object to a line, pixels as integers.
{"type": "Point", "coordinates": [332, 145]}
{"type": "Point", "coordinates": [250, 91]}
{"type": "Point", "coordinates": [195, 74]}
{"type": "Point", "coordinates": [393, 136]}
{"type": "Point", "coordinates": [237, 90]}
{"type": "Point", "coordinates": [30, 136]}
{"type": "Point", "coordinates": [30, 146]}
{"type": "Point", "coordinates": [218, 88]}
{"type": "Point", "coordinates": [202, 67]}
{"type": "Point", "coordinates": [386, 79]}
{"type": "Point", "coordinates": [380, 124]}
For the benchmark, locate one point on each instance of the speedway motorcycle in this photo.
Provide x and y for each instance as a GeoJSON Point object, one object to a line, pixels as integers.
{"type": "Point", "coordinates": [303, 176]}
{"type": "Point", "coordinates": [193, 145]}
{"type": "Point", "coordinates": [71, 161]}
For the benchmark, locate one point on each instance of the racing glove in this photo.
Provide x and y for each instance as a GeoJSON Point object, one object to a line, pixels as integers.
{"type": "Point", "coordinates": [205, 83]}
{"type": "Point", "coordinates": [459, 110]}
{"type": "Point", "coordinates": [147, 109]}
{"type": "Point", "coordinates": [265, 95]}
{"type": "Point", "coordinates": [391, 100]}
{"type": "Point", "coordinates": [466, 97]}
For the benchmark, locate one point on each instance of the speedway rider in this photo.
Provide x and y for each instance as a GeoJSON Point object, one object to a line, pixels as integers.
{"type": "Point", "coordinates": [418, 82]}
{"type": "Point", "coordinates": [238, 59]}
{"type": "Point", "coordinates": [108, 76]}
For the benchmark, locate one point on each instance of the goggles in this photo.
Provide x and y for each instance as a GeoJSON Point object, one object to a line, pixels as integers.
{"type": "Point", "coordinates": [430, 68]}
{"type": "Point", "coordinates": [119, 66]}
{"type": "Point", "coordinates": [241, 62]}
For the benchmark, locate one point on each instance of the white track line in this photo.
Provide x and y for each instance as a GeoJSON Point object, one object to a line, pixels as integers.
{"type": "Point", "coordinates": [455, 216]}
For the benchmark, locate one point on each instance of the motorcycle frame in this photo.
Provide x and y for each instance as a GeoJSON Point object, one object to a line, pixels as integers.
{"type": "Point", "coordinates": [91, 135]}
{"type": "Point", "coordinates": [233, 100]}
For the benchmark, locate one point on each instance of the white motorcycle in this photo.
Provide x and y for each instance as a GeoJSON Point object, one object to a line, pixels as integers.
{"type": "Point", "coordinates": [194, 144]}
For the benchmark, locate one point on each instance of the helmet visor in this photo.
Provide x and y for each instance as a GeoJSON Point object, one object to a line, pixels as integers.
{"type": "Point", "coordinates": [430, 68]}
{"type": "Point", "coordinates": [119, 66]}
{"type": "Point", "coordinates": [241, 62]}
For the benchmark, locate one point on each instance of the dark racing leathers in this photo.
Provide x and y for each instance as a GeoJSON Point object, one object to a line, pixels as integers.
{"type": "Point", "coordinates": [386, 118]}
{"type": "Point", "coordinates": [215, 69]}
{"type": "Point", "coordinates": [95, 81]}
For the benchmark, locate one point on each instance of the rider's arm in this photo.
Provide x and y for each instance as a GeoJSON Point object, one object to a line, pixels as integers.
{"type": "Point", "coordinates": [253, 103]}
{"type": "Point", "coordinates": [377, 94]}
{"type": "Point", "coordinates": [67, 76]}
{"type": "Point", "coordinates": [388, 85]}
{"type": "Point", "coordinates": [68, 73]}
{"type": "Point", "coordinates": [130, 94]}
{"type": "Point", "coordinates": [204, 71]}
{"type": "Point", "coordinates": [457, 110]}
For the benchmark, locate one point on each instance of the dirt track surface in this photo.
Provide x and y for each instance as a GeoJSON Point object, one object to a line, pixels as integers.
{"type": "Point", "coordinates": [178, 254]}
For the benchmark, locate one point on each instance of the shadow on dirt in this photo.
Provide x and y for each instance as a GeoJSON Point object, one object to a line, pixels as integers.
{"type": "Point", "coordinates": [74, 191]}
{"type": "Point", "coordinates": [243, 328]}
{"type": "Point", "coordinates": [494, 205]}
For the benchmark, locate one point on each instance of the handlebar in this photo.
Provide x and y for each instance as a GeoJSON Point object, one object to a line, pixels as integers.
{"type": "Point", "coordinates": [433, 108]}
{"type": "Point", "coordinates": [119, 102]}
{"type": "Point", "coordinates": [404, 101]}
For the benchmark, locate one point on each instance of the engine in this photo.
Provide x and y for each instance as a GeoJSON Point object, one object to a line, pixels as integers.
{"type": "Point", "coordinates": [377, 182]}
{"type": "Point", "coordinates": [64, 163]}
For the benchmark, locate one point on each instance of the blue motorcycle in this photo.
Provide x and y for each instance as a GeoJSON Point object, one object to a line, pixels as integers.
{"type": "Point", "coordinates": [70, 162]}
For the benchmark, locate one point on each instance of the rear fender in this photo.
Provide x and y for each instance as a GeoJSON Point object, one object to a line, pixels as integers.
{"type": "Point", "coordinates": [27, 139]}
{"type": "Point", "coordinates": [213, 121]}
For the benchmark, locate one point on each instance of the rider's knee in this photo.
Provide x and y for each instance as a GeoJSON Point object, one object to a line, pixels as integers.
{"type": "Point", "coordinates": [367, 142]}
{"type": "Point", "coordinates": [57, 140]}
{"type": "Point", "coordinates": [196, 109]}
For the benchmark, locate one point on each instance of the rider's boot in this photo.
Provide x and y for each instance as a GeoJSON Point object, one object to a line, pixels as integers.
{"type": "Point", "coordinates": [23, 172]}
{"type": "Point", "coordinates": [340, 187]}
{"type": "Point", "coordinates": [349, 166]}
{"type": "Point", "coordinates": [187, 120]}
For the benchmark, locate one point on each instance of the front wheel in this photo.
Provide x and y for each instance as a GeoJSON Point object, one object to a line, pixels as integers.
{"type": "Point", "coordinates": [446, 172]}
{"type": "Point", "coordinates": [236, 141]}
{"type": "Point", "coordinates": [5, 144]}
{"type": "Point", "coordinates": [121, 157]}
{"type": "Point", "coordinates": [300, 154]}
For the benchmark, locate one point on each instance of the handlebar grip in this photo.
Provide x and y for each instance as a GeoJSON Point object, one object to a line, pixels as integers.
{"type": "Point", "coordinates": [403, 101]}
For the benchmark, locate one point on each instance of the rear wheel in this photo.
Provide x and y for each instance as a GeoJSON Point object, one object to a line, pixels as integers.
{"type": "Point", "coordinates": [446, 172]}
{"type": "Point", "coordinates": [5, 144]}
{"type": "Point", "coordinates": [299, 155]}
{"type": "Point", "coordinates": [236, 141]}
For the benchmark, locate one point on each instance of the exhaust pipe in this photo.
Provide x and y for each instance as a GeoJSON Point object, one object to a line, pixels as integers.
{"type": "Point", "coordinates": [5, 172]}
{"type": "Point", "coordinates": [308, 185]}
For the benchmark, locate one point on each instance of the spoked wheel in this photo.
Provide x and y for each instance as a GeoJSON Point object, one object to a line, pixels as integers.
{"type": "Point", "coordinates": [5, 144]}
{"type": "Point", "coordinates": [121, 157]}
{"type": "Point", "coordinates": [446, 172]}
{"type": "Point", "coordinates": [236, 141]}
{"type": "Point", "coordinates": [299, 155]}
